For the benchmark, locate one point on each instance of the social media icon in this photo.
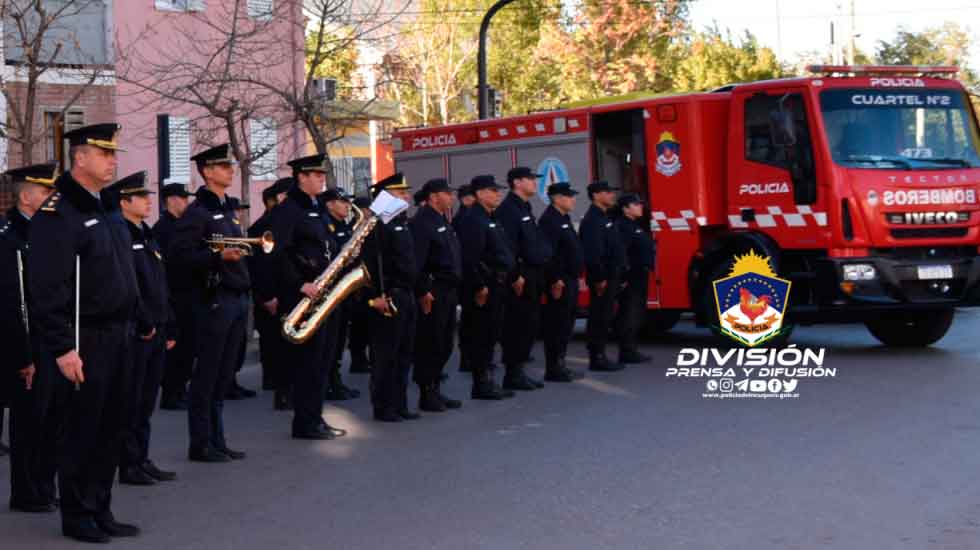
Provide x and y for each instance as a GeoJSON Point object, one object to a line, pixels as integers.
{"type": "Point", "coordinates": [727, 384]}
{"type": "Point", "coordinates": [712, 385]}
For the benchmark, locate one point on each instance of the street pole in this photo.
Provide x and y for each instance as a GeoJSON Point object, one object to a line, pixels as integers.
{"type": "Point", "coordinates": [481, 64]}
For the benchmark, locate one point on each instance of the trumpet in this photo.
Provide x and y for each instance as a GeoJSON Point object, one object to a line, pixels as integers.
{"type": "Point", "coordinates": [220, 242]}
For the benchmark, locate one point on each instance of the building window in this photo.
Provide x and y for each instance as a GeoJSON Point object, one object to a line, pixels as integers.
{"type": "Point", "coordinates": [263, 146]}
{"type": "Point", "coordinates": [179, 154]}
{"type": "Point", "coordinates": [180, 5]}
{"type": "Point", "coordinates": [55, 127]}
{"type": "Point", "coordinates": [260, 9]}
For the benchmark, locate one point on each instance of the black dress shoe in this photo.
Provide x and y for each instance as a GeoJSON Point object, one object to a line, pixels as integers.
{"type": "Point", "coordinates": [600, 363]}
{"type": "Point", "coordinates": [562, 375]}
{"type": "Point", "coordinates": [232, 454]}
{"type": "Point", "coordinates": [134, 475]}
{"type": "Point", "coordinates": [632, 357]}
{"type": "Point", "coordinates": [448, 402]}
{"type": "Point", "coordinates": [33, 507]}
{"type": "Point", "coordinates": [429, 400]}
{"type": "Point", "coordinates": [156, 473]}
{"type": "Point", "coordinates": [113, 528]}
{"type": "Point", "coordinates": [335, 393]}
{"type": "Point", "coordinates": [408, 414]}
{"type": "Point", "coordinates": [85, 531]}
{"type": "Point", "coordinates": [207, 455]}
{"type": "Point", "coordinates": [318, 432]}
{"type": "Point", "coordinates": [386, 416]}
{"type": "Point", "coordinates": [490, 392]}
{"type": "Point", "coordinates": [534, 381]}
{"type": "Point", "coordinates": [519, 383]}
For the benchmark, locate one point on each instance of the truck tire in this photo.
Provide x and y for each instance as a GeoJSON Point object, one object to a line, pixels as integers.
{"type": "Point", "coordinates": [659, 322]}
{"type": "Point", "coordinates": [912, 329]}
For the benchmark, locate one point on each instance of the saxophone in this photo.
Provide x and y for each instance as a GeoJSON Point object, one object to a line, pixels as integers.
{"type": "Point", "coordinates": [304, 320]}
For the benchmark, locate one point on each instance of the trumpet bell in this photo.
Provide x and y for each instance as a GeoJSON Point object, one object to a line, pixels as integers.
{"type": "Point", "coordinates": [268, 242]}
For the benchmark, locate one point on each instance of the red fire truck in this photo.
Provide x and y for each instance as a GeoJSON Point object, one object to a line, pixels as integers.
{"type": "Point", "coordinates": [859, 183]}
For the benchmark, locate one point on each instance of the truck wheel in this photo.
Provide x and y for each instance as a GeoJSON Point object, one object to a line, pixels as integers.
{"type": "Point", "coordinates": [911, 329]}
{"type": "Point", "coordinates": [659, 322]}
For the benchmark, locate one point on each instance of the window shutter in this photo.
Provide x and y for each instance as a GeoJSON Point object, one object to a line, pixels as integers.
{"type": "Point", "coordinates": [179, 136]}
{"type": "Point", "coordinates": [263, 142]}
{"type": "Point", "coordinates": [261, 9]}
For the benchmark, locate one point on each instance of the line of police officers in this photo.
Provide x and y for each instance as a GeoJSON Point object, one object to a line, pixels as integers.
{"type": "Point", "coordinates": [99, 311]}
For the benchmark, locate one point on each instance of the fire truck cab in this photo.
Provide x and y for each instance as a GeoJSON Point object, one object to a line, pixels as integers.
{"type": "Point", "coordinates": [859, 183]}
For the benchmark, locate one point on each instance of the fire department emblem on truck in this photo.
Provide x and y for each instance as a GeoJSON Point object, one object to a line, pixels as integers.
{"type": "Point", "coordinates": [751, 301]}
{"type": "Point", "coordinates": [668, 155]}
{"type": "Point", "coordinates": [552, 170]}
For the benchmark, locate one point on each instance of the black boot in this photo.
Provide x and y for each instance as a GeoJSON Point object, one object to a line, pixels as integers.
{"type": "Point", "coordinates": [449, 403]}
{"type": "Point", "coordinates": [599, 362]}
{"type": "Point", "coordinates": [515, 379]}
{"type": "Point", "coordinates": [156, 473]}
{"type": "Point", "coordinates": [630, 356]}
{"type": "Point", "coordinates": [134, 475]}
{"type": "Point", "coordinates": [485, 388]}
{"type": "Point", "coordinates": [429, 399]}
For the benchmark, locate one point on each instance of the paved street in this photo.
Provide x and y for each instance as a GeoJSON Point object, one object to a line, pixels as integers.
{"type": "Point", "coordinates": [885, 455]}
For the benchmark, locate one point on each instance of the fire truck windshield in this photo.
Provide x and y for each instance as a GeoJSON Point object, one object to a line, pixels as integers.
{"type": "Point", "coordinates": [922, 129]}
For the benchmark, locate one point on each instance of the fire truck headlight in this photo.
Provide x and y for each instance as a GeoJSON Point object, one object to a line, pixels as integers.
{"type": "Point", "coordinates": [859, 272]}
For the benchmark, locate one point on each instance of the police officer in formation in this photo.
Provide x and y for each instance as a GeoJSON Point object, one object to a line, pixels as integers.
{"type": "Point", "coordinates": [522, 298]}
{"type": "Point", "coordinates": [561, 275]}
{"type": "Point", "coordinates": [336, 213]}
{"type": "Point", "coordinates": [389, 255]}
{"type": "Point", "coordinates": [28, 387]}
{"type": "Point", "coordinates": [358, 331]}
{"type": "Point", "coordinates": [265, 305]}
{"type": "Point", "coordinates": [180, 359]}
{"type": "Point", "coordinates": [487, 266]}
{"type": "Point", "coordinates": [304, 250]}
{"type": "Point", "coordinates": [466, 198]}
{"type": "Point", "coordinates": [221, 283]}
{"type": "Point", "coordinates": [437, 253]}
{"type": "Point", "coordinates": [84, 292]}
{"type": "Point", "coordinates": [605, 261]}
{"type": "Point", "coordinates": [640, 252]}
{"type": "Point", "coordinates": [154, 331]}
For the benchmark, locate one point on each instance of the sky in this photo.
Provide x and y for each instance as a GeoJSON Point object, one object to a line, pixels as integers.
{"type": "Point", "coordinates": [804, 25]}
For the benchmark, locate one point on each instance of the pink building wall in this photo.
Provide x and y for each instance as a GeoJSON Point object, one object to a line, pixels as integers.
{"type": "Point", "coordinates": [140, 26]}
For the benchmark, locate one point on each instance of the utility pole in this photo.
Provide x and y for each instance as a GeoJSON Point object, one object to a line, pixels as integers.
{"type": "Point", "coordinates": [851, 36]}
{"type": "Point", "coordinates": [481, 63]}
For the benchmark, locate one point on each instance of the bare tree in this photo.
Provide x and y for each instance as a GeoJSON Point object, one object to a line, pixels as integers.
{"type": "Point", "coordinates": [206, 73]}
{"type": "Point", "coordinates": [41, 36]}
{"type": "Point", "coordinates": [226, 72]}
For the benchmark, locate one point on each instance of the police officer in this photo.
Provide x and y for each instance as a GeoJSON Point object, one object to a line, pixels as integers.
{"type": "Point", "coordinates": [437, 253]}
{"type": "Point", "coordinates": [32, 449]}
{"type": "Point", "coordinates": [487, 262]}
{"type": "Point", "coordinates": [235, 390]}
{"type": "Point", "coordinates": [265, 306]}
{"type": "Point", "coordinates": [389, 254]}
{"type": "Point", "coordinates": [605, 261]}
{"type": "Point", "coordinates": [76, 258]}
{"type": "Point", "coordinates": [220, 294]}
{"type": "Point", "coordinates": [466, 198]}
{"type": "Point", "coordinates": [561, 280]}
{"type": "Point", "coordinates": [522, 300]}
{"type": "Point", "coordinates": [639, 257]}
{"type": "Point", "coordinates": [180, 358]}
{"type": "Point", "coordinates": [358, 332]}
{"type": "Point", "coordinates": [336, 211]}
{"type": "Point", "coordinates": [154, 329]}
{"type": "Point", "coordinates": [304, 248]}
